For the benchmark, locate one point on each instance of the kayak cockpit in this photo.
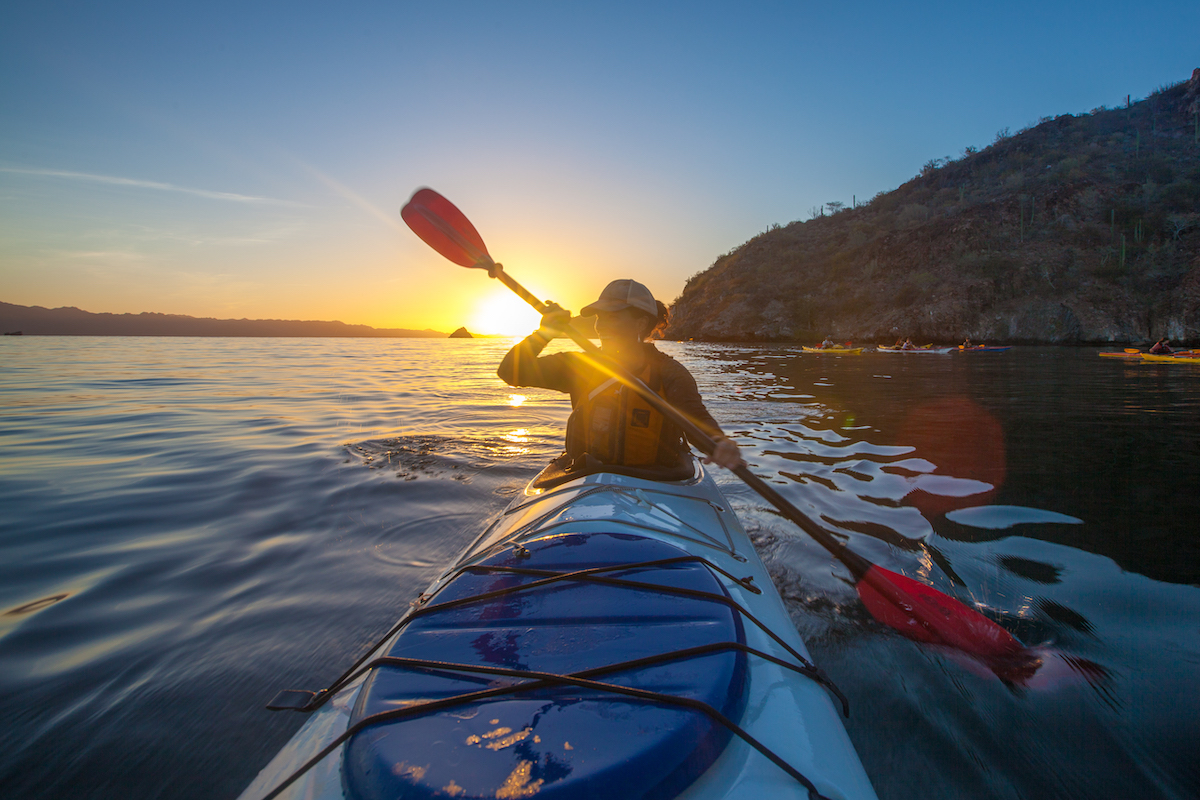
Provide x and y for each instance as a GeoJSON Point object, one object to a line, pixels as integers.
{"type": "Point", "coordinates": [566, 468]}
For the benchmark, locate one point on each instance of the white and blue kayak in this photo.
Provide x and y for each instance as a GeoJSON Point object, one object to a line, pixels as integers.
{"type": "Point", "coordinates": [606, 637]}
{"type": "Point", "coordinates": [912, 351]}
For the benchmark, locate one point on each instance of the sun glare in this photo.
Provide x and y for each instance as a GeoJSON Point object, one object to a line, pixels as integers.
{"type": "Point", "coordinates": [503, 315]}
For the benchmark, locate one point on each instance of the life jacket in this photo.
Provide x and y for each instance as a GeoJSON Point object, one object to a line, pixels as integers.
{"type": "Point", "coordinates": [618, 427]}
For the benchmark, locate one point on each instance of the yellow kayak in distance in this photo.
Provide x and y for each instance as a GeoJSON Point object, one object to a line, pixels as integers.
{"type": "Point", "coordinates": [1130, 353]}
{"type": "Point", "coordinates": [1171, 358]}
{"type": "Point", "coordinates": [837, 351]}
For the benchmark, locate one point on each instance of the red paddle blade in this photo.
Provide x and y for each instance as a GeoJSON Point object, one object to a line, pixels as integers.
{"type": "Point", "coordinates": [926, 615]}
{"type": "Point", "coordinates": [444, 228]}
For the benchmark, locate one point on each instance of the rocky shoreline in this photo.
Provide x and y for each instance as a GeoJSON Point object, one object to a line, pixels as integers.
{"type": "Point", "coordinates": [1080, 230]}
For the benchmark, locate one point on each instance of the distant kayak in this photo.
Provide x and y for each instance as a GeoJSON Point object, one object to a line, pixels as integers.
{"type": "Point", "coordinates": [982, 349]}
{"type": "Point", "coordinates": [1172, 358]}
{"type": "Point", "coordinates": [1130, 353]}
{"type": "Point", "coordinates": [841, 351]}
{"type": "Point", "coordinates": [926, 350]}
{"type": "Point", "coordinates": [607, 636]}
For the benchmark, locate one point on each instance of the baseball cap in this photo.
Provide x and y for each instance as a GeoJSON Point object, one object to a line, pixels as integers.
{"type": "Point", "coordinates": [624, 293]}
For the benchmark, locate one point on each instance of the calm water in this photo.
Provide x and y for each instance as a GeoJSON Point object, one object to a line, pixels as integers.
{"type": "Point", "coordinates": [190, 525]}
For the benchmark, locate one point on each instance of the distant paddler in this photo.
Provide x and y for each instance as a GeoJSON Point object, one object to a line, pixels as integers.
{"type": "Point", "coordinates": [1162, 347]}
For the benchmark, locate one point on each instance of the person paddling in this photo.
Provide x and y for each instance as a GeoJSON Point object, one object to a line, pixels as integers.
{"type": "Point", "coordinates": [608, 423]}
{"type": "Point", "coordinates": [1161, 347]}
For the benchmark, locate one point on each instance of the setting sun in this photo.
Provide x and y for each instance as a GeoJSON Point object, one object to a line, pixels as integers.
{"type": "Point", "coordinates": [503, 314]}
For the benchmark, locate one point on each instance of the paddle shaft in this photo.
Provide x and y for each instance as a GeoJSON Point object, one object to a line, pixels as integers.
{"type": "Point", "coordinates": [857, 565]}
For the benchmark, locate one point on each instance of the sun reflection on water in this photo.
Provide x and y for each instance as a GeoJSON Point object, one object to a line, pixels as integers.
{"type": "Point", "coordinates": [515, 400]}
{"type": "Point", "coordinates": [518, 442]}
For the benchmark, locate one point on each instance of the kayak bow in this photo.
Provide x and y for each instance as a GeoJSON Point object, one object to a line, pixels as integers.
{"type": "Point", "coordinates": [607, 636]}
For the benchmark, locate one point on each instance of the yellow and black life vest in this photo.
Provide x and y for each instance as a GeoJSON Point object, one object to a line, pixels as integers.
{"type": "Point", "coordinates": [618, 427]}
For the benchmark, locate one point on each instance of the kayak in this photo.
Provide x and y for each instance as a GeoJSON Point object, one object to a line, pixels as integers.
{"type": "Point", "coordinates": [1172, 358]}
{"type": "Point", "coordinates": [844, 351]}
{"type": "Point", "coordinates": [928, 350]}
{"type": "Point", "coordinates": [1178, 355]}
{"type": "Point", "coordinates": [983, 349]}
{"type": "Point", "coordinates": [606, 636]}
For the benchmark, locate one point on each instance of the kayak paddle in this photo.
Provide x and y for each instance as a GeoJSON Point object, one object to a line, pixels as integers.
{"type": "Point", "coordinates": [918, 611]}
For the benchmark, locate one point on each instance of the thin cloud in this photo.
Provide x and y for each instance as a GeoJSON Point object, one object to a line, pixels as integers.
{"type": "Point", "coordinates": [392, 221]}
{"type": "Point", "coordinates": [139, 184]}
{"type": "Point", "coordinates": [105, 255]}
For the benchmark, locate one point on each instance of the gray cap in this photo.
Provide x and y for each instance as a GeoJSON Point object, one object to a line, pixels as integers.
{"type": "Point", "coordinates": [625, 293]}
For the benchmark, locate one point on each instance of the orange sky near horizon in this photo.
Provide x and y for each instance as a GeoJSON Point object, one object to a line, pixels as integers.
{"type": "Point", "coordinates": [355, 264]}
{"type": "Point", "coordinates": [346, 257]}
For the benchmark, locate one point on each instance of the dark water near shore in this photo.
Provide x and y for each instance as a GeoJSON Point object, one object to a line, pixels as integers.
{"type": "Point", "coordinates": [190, 525]}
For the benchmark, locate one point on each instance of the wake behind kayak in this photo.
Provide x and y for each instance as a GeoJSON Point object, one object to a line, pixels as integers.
{"type": "Point", "coordinates": [606, 637]}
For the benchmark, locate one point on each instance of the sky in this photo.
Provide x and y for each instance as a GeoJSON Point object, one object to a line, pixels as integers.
{"type": "Point", "coordinates": [250, 159]}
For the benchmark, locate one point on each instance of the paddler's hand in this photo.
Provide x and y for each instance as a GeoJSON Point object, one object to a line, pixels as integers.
{"type": "Point", "coordinates": [726, 454]}
{"type": "Point", "coordinates": [556, 319]}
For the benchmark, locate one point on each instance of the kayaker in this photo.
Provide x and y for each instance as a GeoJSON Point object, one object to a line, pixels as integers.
{"type": "Point", "coordinates": [829, 342]}
{"type": "Point", "coordinates": [626, 316]}
{"type": "Point", "coordinates": [908, 345]}
{"type": "Point", "coordinates": [1161, 347]}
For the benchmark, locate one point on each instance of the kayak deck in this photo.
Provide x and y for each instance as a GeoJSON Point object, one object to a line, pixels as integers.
{"type": "Point", "coordinates": [533, 631]}
{"type": "Point", "coordinates": [611, 607]}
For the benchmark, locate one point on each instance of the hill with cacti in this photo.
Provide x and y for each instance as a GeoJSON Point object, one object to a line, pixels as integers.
{"type": "Point", "coordinates": [1081, 228]}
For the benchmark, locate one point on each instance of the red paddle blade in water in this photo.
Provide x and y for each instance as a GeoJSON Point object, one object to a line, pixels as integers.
{"type": "Point", "coordinates": [444, 228]}
{"type": "Point", "coordinates": [924, 614]}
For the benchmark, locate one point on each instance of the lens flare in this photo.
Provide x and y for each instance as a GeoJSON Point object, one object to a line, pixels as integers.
{"type": "Point", "coordinates": [503, 315]}
{"type": "Point", "coordinates": [966, 443]}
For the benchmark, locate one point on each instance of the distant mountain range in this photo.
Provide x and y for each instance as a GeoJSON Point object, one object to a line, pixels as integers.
{"type": "Point", "coordinates": [70, 321]}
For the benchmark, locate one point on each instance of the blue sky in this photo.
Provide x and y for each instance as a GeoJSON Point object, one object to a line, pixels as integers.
{"type": "Point", "coordinates": [249, 159]}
